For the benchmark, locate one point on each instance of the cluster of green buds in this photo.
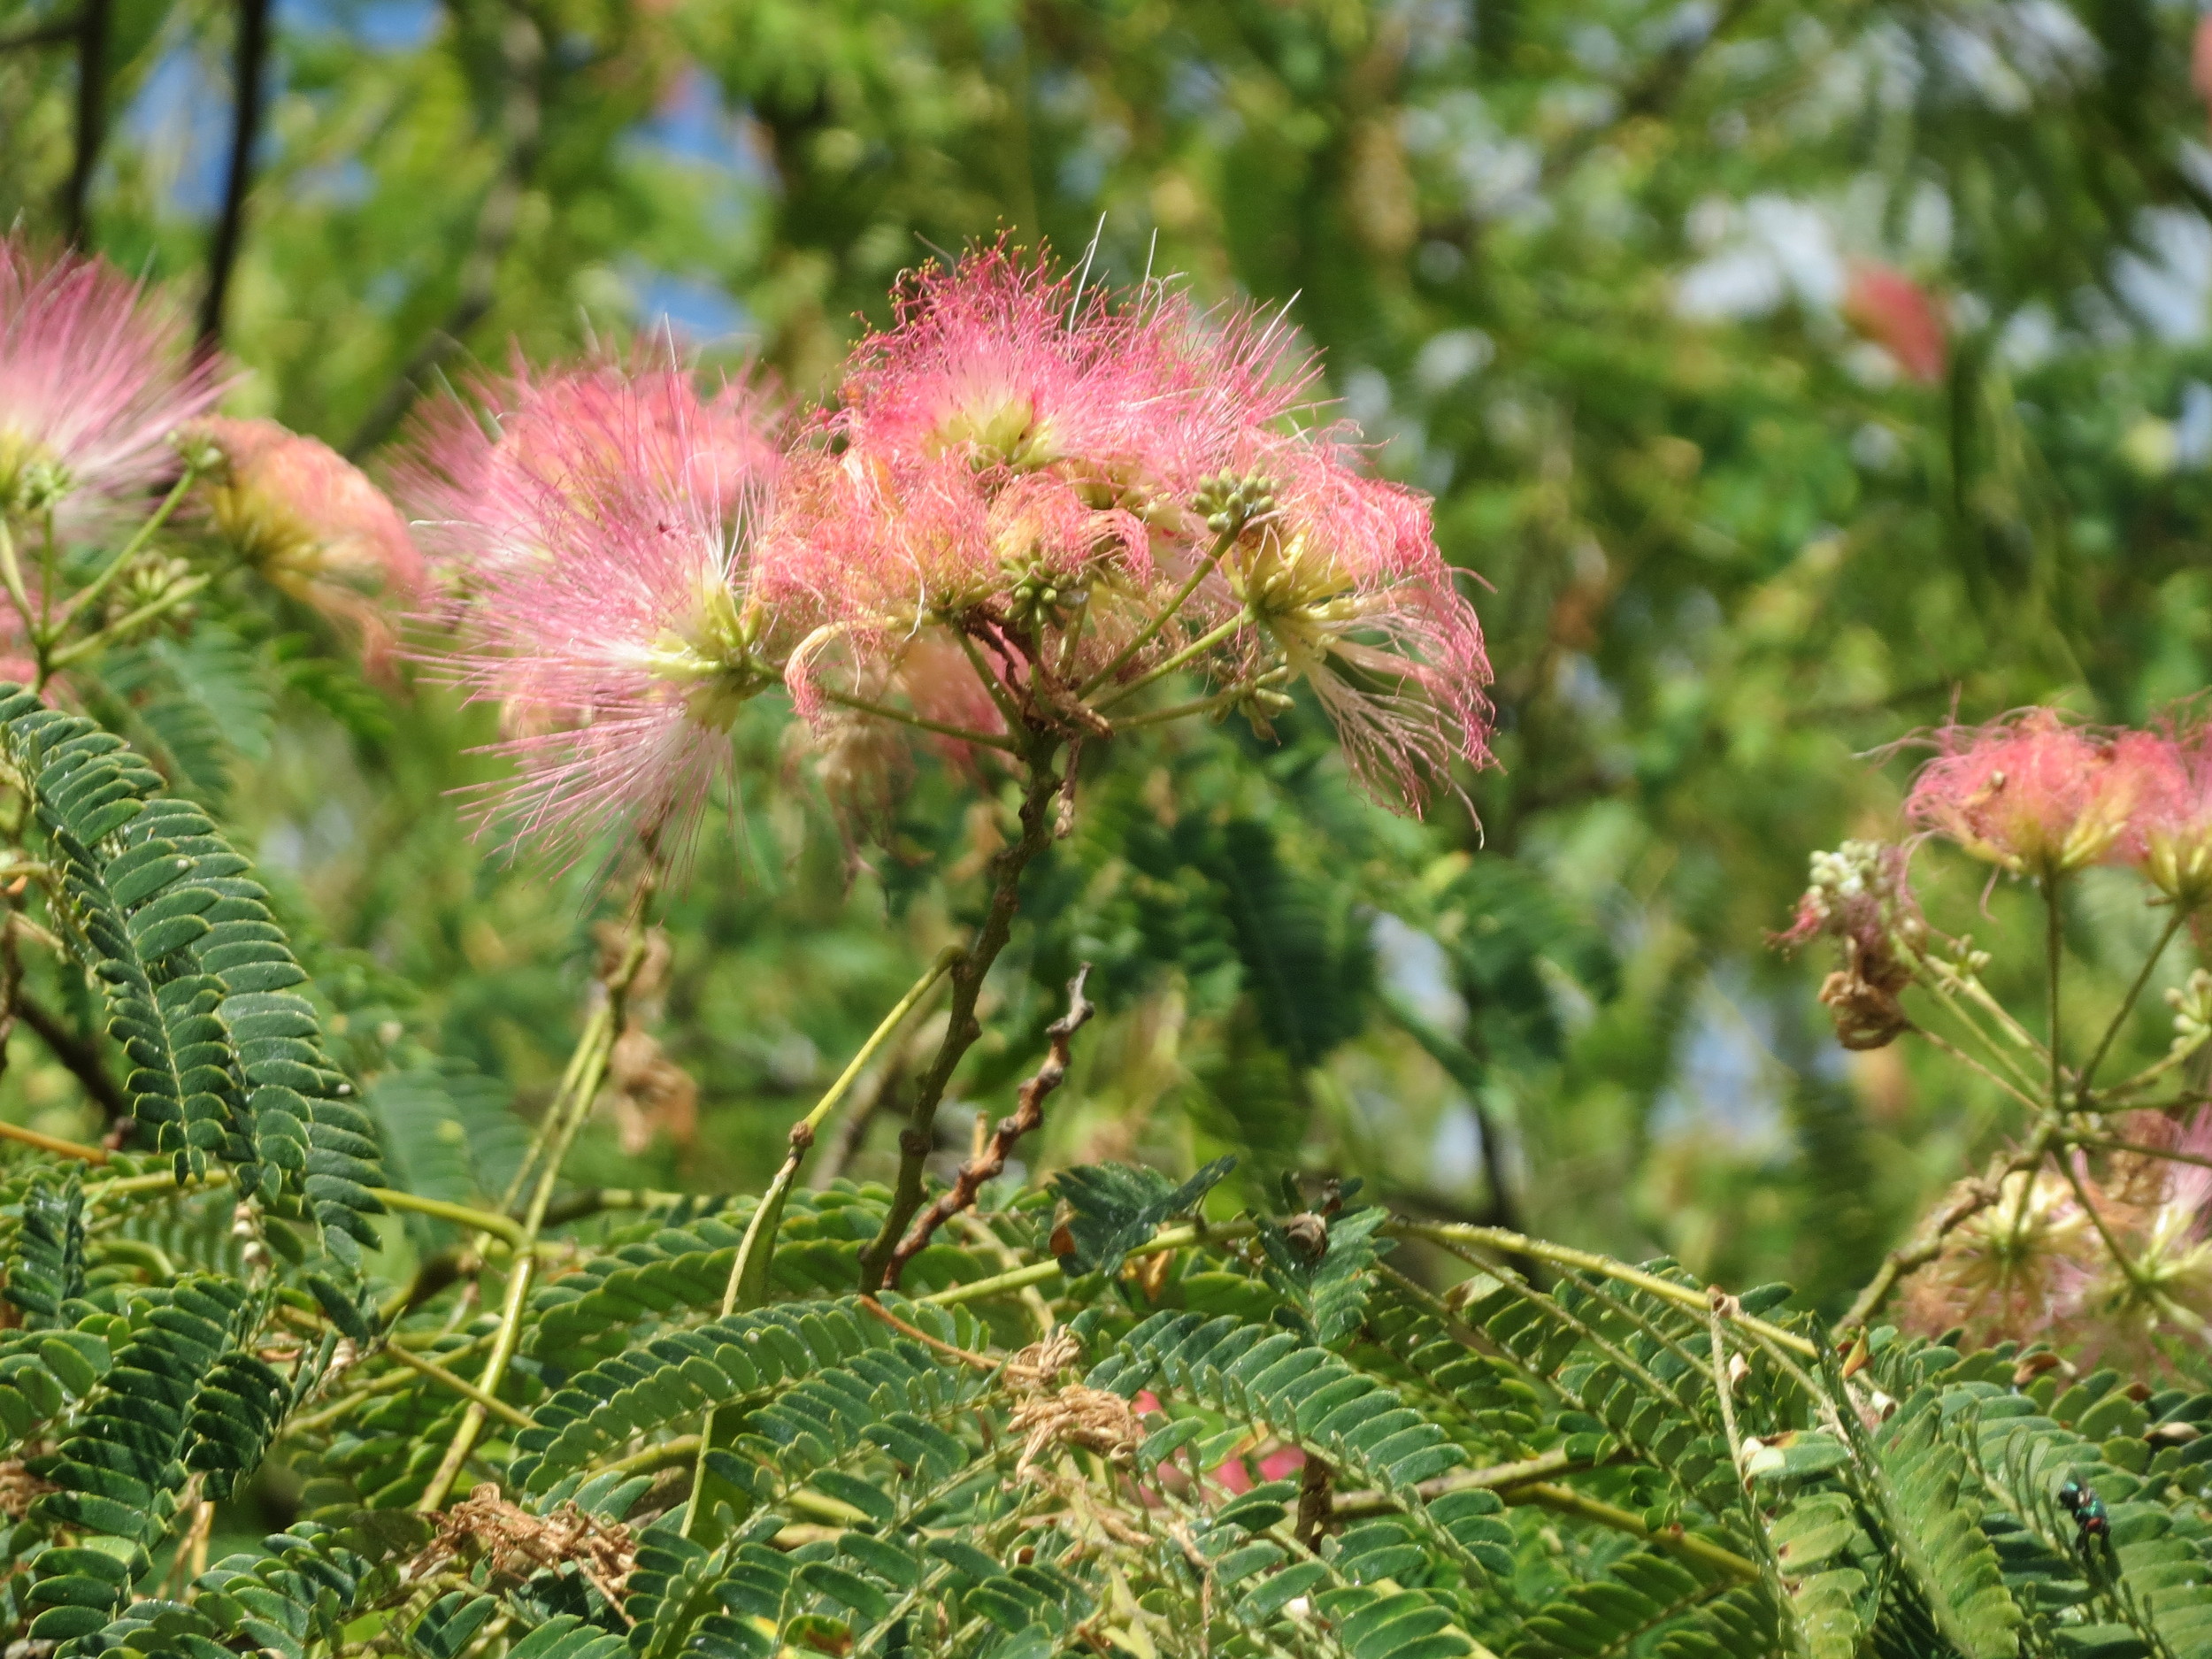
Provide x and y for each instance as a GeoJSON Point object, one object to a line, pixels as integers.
{"type": "Point", "coordinates": [1036, 596]}
{"type": "Point", "coordinates": [1228, 503]}
{"type": "Point", "coordinates": [32, 480]}
{"type": "Point", "coordinates": [2192, 1002]}
{"type": "Point", "coordinates": [147, 580]}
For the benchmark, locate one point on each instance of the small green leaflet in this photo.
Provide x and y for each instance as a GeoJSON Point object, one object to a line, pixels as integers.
{"type": "Point", "coordinates": [1113, 1207]}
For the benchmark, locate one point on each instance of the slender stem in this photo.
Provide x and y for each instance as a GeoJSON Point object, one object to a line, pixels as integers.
{"type": "Point", "coordinates": [1504, 1242]}
{"type": "Point", "coordinates": [98, 585]}
{"type": "Point", "coordinates": [1906, 1258]}
{"type": "Point", "coordinates": [502, 1227]}
{"type": "Point", "coordinates": [1944, 986]}
{"type": "Point", "coordinates": [2087, 1078]}
{"type": "Point", "coordinates": [884, 711]}
{"type": "Point", "coordinates": [1203, 705]}
{"type": "Point", "coordinates": [989, 1160]}
{"type": "Point", "coordinates": [992, 684]}
{"type": "Point", "coordinates": [1969, 1061]}
{"type": "Point", "coordinates": [246, 102]}
{"type": "Point", "coordinates": [1566, 1501]}
{"type": "Point", "coordinates": [175, 595]}
{"type": "Point", "coordinates": [80, 1056]}
{"type": "Point", "coordinates": [1150, 631]}
{"type": "Point", "coordinates": [468, 1390]}
{"type": "Point", "coordinates": [1197, 647]}
{"type": "Point", "coordinates": [2170, 1154]}
{"type": "Point", "coordinates": [564, 1117]}
{"type": "Point", "coordinates": [960, 1027]}
{"type": "Point", "coordinates": [52, 1143]}
{"type": "Point", "coordinates": [981, 1361]}
{"type": "Point", "coordinates": [2180, 1054]}
{"type": "Point", "coordinates": [11, 574]}
{"type": "Point", "coordinates": [2052, 946]}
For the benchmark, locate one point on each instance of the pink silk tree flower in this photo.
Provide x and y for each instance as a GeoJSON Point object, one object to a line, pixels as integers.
{"type": "Point", "coordinates": [1040, 472]}
{"type": "Point", "coordinates": [2030, 793]}
{"type": "Point", "coordinates": [311, 523]}
{"type": "Point", "coordinates": [477, 475]}
{"type": "Point", "coordinates": [93, 380]}
{"type": "Point", "coordinates": [607, 613]}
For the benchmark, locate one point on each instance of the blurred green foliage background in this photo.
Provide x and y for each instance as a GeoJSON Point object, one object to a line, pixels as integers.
{"type": "Point", "coordinates": [1596, 274]}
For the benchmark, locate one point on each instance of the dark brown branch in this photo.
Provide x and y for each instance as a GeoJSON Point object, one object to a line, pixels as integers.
{"type": "Point", "coordinates": [1029, 1112]}
{"type": "Point", "coordinates": [79, 1054]}
{"type": "Point", "coordinates": [248, 72]}
{"type": "Point", "coordinates": [51, 32]}
{"type": "Point", "coordinates": [522, 51]}
{"type": "Point", "coordinates": [92, 97]}
{"type": "Point", "coordinates": [960, 1027]}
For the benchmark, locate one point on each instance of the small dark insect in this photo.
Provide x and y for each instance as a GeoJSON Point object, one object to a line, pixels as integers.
{"type": "Point", "coordinates": [2087, 1508]}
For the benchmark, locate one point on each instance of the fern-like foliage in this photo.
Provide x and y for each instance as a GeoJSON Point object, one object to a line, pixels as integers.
{"type": "Point", "coordinates": [226, 1063]}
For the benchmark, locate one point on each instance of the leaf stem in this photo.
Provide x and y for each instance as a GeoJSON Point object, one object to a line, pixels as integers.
{"type": "Point", "coordinates": [2089, 1073]}
{"type": "Point", "coordinates": [884, 711]}
{"type": "Point", "coordinates": [169, 600]}
{"type": "Point", "coordinates": [115, 566]}
{"type": "Point", "coordinates": [1150, 631]}
{"type": "Point", "coordinates": [1197, 647]}
{"type": "Point", "coordinates": [563, 1117]}
{"type": "Point", "coordinates": [468, 1390]}
{"type": "Point", "coordinates": [53, 1143]}
{"type": "Point", "coordinates": [1203, 705]}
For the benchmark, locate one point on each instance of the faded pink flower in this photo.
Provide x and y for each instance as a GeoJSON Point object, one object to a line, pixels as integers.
{"type": "Point", "coordinates": [606, 612]}
{"type": "Point", "coordinates": [2018, 1268]}
{"type": "Point", "coordinates": [2030, 793]}
{"type": "Point", "coordinates": [311, 522]}
{"type": "Point", "coordinates": [1861, 895]}
{"type": "Point", "coordinates": [477, 475]}
{"type": "Point", "coordinates": [1899, 315]}
{"type": "Point", "coordinates": [92, 382]}
{"type": "Point", "coordinates": [2169, 780]}
{"type": "Point", "coordinates": [1345, 581]}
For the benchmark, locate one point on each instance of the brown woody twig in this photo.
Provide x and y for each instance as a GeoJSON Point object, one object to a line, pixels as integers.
{"type": "Point", "coordinates": [1028, 1113]}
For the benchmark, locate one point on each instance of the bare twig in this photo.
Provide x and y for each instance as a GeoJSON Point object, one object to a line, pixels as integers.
{"type": "Point", "coordinates": [92, 95]}
{"type": "Point", "coordinates": [250, 62]}
{"type": "Point", "coordinates": [522, 52]}
{"type": "Point", "coordinates": [1029, 1112]}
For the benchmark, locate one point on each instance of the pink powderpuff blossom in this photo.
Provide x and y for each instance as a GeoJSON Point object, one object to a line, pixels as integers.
{"type": "Point", "coordinates": [310, 522]}
{"type": "Point", "coordinates": [477, 476]}
{"type": "Point", "coordinates": [1035, 468]}
{"type": "Point", "coordinates": [603, 604]}
{"type": "Point", "coordinates": [93, 380]}
{"type": "Point", "coordinates": [2030, 793]}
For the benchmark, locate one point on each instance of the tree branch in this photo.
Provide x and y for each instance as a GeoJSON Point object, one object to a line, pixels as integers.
{"type": "Point", "coordinates": [51, 33]}
{"type": "Point", "coordinates": [91, 31]}
{"type": "Point", "coordinates": [79, 1054]}
{"type": "Point", "coordinates": [522, 52]}
{"type": "Point", "coordinates": [1029, 1112]}
{"type": "Point", "coordinates": [250, 62]}
{"type": "Point", "coordinates": [1042, 784]}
